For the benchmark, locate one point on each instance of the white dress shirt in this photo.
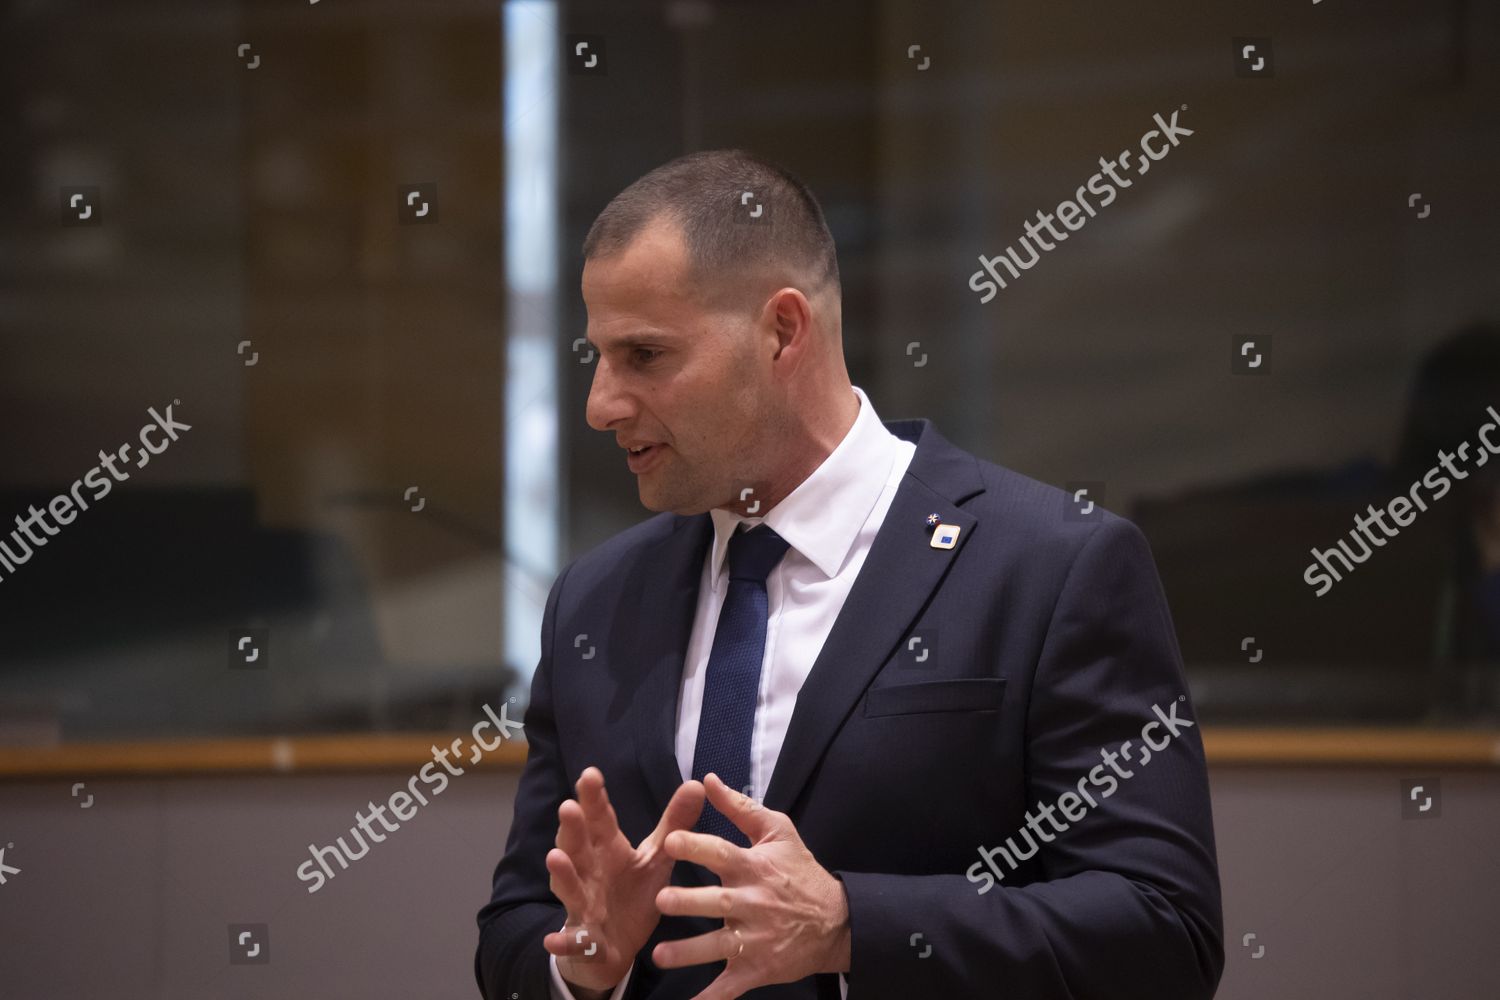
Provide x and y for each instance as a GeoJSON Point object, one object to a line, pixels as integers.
{"type": "Point", "coordinates": [829, 522]}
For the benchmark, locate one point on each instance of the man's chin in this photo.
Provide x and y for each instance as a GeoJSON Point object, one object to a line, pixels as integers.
{"type": "Point", "coordinates": [654, 500]}
{"type": "Point", "coordinates": [651, 499]}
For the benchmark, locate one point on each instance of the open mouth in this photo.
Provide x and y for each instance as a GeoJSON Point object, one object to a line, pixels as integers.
{"type": "Point", "coordinates": [640, 459]}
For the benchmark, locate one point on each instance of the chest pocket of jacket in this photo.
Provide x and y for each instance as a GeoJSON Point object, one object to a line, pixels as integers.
{"type": "Point", "coordinates": [960, 694]}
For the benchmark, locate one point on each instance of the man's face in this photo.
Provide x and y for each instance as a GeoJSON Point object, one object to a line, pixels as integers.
{"type": "Point", "coordinates": [690, 379]}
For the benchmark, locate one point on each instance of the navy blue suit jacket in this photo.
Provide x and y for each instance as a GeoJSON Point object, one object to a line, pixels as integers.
{"type": "Point", "coordinates": [1048, 640]}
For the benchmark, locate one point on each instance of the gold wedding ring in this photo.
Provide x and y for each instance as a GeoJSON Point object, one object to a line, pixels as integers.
{"type": "Point", "coordinates": [741, 940]}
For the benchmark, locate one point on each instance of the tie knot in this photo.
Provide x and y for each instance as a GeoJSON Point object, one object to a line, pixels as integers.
{"type": "Point", "coordinates": [754, 553]}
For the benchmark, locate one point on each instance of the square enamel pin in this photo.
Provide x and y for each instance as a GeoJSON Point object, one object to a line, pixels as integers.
{"type": "Point", "coordinates": [945, 536]}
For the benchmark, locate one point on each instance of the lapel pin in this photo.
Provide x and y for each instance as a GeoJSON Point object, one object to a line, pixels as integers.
{"type": "Point", "coordinates": [945, 536]}
{"type": "Point", "coordinates": [933, 520]}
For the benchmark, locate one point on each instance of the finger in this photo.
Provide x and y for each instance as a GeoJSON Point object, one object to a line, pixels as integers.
{"type": "Point", "coordinates": [715, 946]}
{"type": "Point", "coordinates": [573, 941]}
{"type": "Point", "coordinates": [701, 901]}
{"type": "Point", "coordinates": [598, 814]}
{"type": "Point", "coordinates": [751, 817]}
{"type": "Point", "coordinates": [573, 836]}
{"type": "Point", "coordinates": [682, 811]}
{"type": "Point", "coordinates": [718, 855]}
{"type": "Point", "coordinates": [566, 884]}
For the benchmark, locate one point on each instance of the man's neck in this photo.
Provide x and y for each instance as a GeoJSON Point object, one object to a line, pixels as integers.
{"type": "Point", "coordinates": [825, 436]}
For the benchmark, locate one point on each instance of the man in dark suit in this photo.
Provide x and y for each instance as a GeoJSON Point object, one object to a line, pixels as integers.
{"type": "Point", "coordinates": [842, 682]}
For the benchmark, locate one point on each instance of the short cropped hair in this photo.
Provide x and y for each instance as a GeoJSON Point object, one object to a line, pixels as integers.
{"type": "Point", "coordinates": [741, 216]}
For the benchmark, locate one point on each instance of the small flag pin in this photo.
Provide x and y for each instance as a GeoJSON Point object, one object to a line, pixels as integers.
{"type": "Point", "coordinates": [945, 536]}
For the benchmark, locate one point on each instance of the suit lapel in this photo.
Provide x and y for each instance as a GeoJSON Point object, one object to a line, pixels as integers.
{"type": "Point", "coordinates": [897, 579]}
{"type": "Point", "coordinates": [667, 580]}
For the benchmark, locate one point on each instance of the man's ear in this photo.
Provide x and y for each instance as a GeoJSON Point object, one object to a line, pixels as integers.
{"type": "Point", "coordinates": [790, 317]}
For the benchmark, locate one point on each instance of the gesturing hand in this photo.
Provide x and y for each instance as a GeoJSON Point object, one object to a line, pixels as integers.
{"type": "Point", "coordinates": [785, 916]}
{"type": "Point", "coordinates": [608, 887]}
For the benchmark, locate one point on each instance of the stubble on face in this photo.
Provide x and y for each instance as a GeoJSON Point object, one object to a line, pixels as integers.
{"type": "Point", "coordinates": [719, 424]}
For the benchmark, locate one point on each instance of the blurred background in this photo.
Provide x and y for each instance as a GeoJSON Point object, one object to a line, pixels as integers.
{"type": "Point", "coordinates": [341, 240]}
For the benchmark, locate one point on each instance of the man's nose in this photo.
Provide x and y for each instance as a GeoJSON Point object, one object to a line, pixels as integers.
{"type": "Point", "coordinates": [607, 401]}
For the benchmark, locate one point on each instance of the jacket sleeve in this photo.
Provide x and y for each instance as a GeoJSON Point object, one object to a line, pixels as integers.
{"type": "Point", "coordinates": [522, 909]}
{"type": "Point", "coordinates": [1124, 902]}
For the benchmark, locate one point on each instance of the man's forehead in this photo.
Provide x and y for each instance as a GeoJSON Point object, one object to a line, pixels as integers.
{"type": "Point", "coordinates": [617, 305]}
{"type": "Point", "coordinates": [634, 284]}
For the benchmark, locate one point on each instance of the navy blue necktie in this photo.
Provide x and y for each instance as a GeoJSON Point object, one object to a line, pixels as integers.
{"type": "Point", "coordinates": [732, 681]}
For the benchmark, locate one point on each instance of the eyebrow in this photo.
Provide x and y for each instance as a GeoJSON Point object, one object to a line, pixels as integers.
{"type": "Point", "coordinates": [630, 340]}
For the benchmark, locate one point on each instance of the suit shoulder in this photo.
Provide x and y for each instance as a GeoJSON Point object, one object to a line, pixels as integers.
{"type": "Point", "coordinates": [622, 547]}
{"type": "Point", "coordinates": [1042, 512]}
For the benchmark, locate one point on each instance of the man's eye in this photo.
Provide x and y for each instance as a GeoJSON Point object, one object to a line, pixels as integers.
{"type": "Point", "coordinates": [646, 354]}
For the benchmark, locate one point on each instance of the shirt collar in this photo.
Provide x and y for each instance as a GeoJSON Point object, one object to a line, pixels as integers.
{"type": "Point", "coordinates": [823, 515]}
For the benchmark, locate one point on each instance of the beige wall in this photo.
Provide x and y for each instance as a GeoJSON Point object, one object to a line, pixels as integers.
{"type": "Point", "coordinates": [131, 898]}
